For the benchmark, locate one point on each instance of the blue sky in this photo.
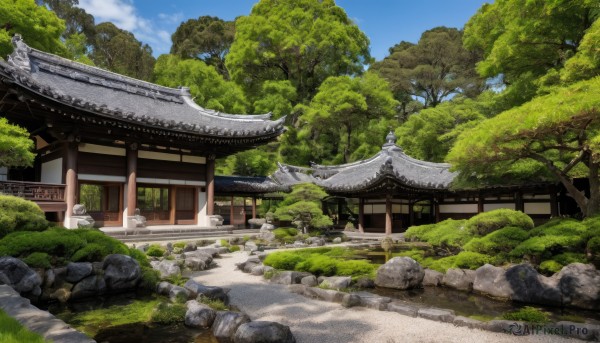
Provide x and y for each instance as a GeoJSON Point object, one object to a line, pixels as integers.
{"type": "Point", "coordinates": [386, 22]}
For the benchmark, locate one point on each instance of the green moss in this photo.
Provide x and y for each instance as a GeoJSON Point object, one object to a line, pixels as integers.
{"type": "Point", "coordinates": [318, 265]}
{"type": "Point", "coordinates": [150, 278]}
{"type": "Point", "coordinates": [215, 304]}
{"type": "Point", "coordinates": [416, 254]}
{"type": "Point", "coordinates": [17, 214]}
{"type": "Point", "coordinates": [11, 331]}
{"type": "Point", "coordinates": [156, 250]}
{"type": "Point", "coordinates": [234, 248]}
{"type": "Point", "coordinates": [179, 245]}
{"type": "Point", "coordinates": [528, 314]}
{"type": "Point", "coordinates": [320, 261]}
{"type": "Point", "coordinates": [449, 233]}
{"type": "Point", "coordinates": [38, 260]}
{"type": "Point", "coordinates": [488, 222]}
{"type": "Point", "coordinates": [224, 243]}
{"type": "Point", "coordinates": [501, 241]}
{"type": "Point", "coordinates": [471, 260]}
{"type": "Point", "coordinates": [569, 257]}
{"type": "Point", "coordinates": [441, 265]}
{"type": "Point", "coordinates": [283, 260]}
{"type": "Point", "coordinates": [166, 313]}
{"type": "Point", "coordinates": [177, 280]}
{"type": "Point", "coordinates": [268, 275]}
{"type": "Point", "coordinates": [282, 234]}
{"type": "Point", "coordinates": [550, 267]}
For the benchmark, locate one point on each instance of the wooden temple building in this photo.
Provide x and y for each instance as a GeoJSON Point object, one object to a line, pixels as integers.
{"type": "Point", "coordinates": [117, 144]}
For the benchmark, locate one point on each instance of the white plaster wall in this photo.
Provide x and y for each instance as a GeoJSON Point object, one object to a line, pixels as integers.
{"type": "Point", "coordinates": [193, 159]}
{"type": "Point", "coordinates": [491, 207]}
{"type": "Point", "coordinates": [162, 156]}
{"type": "Point", "coordinates": [52, 171]}
{"type": "Point", "coordinates": [538, 208]}
{"type": "Point", "coordinates": [202, 218]}
{"type": "Point", "coordinates": [101, 149]}
{"type": "Point", "coordinates": [458, 208]}
{"type": "Point", "coordinates": [101, 178]}
{"type": "Point", "coordinates": [148, 180]}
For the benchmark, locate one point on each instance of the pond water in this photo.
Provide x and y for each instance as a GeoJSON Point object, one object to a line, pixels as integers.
{"type": "Point", "coordinates": [128, 333]}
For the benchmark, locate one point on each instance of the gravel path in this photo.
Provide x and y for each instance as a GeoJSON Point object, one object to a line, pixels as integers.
{"type": "Point", "coordinates": [317, 321]}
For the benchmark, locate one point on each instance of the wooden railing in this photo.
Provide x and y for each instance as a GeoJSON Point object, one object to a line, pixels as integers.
{"type": "Point", "coordinates": [34, 191]}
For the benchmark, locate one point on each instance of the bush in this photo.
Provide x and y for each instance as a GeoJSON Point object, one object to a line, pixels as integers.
{"type": "Point", "coordinates": [593, 245]}
{"type": "Point", "coordinates": [449, 233]}
{"type": "Point", "coordinates": [488, 222]}
{"type": "Point", "coordinates": [569, 257]}
{"type": "Point", "coordinates": [501, 241]}
{"type": "Point", "coordinates": [166, 313]}
{"type": "Point", "coordinates": [215, 304]}
{"type": "Point", "coordinates": [320, 261]}
{"type": "Point", "coordinates": [234, 248]}
{"type": "Point", "coordinates": [283, 260]}
{"type": "Point", "coordinates": [553, 238]}
{"type": "Point", "coordinates": [355, 268]}
{"type": "Point", "coordinates": [471, 260]}
{"type": "Point", "coordinates": [527, 314]}
{"type": "Point", "coordinates": [17, 214]}
{"type": "Point", "coordinates": [179, 245]}
{"type": "Point", "coordinates": [90, 253]}
{"type": "Point", "coordinates": [550, 267]}
{"type": "Point", "coordinates": [38, 260]}
{"type": "Point", "coordinates": [283, 233]}
{"type": "Point", "coordinates": [150, 278]}
{"type": "Point", "coordinates": [156, 250]}
{"type": "Point", "coordinates": [318, 265]}
{"type": "Point", "coordinates": [441, 265]}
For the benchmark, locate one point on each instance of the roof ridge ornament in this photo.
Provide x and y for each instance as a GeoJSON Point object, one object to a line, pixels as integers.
{"type": "Point", "coordinates": [390, 141]}
{"type": "Point", "coordinates": [20, 56]}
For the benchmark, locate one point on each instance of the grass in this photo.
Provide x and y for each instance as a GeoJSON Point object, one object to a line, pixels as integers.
{"type": "Point", "coordinates": [11, 331]}
{"type": "Point", "coordinates": [528, 314]}
{"type": "Point", "coordinates": [215, 304]}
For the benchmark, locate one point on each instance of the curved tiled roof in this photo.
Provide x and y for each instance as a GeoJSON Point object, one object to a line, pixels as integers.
{"type": "Point", "coordinates": [247, 184]}
{"type": "Point", "coordinates": [390, 164]}
{"type": "Point", "coordinates": [115, 96]}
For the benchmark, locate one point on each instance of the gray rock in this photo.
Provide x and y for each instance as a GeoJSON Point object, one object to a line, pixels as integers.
{"type": "Point", "coordinates": [195, 263]}
{"type": "Point", "coordinates": [263, 332]}
{"type": "Point", "coordinates": [61, 294]}
{"type": "Point", "coordinates": [297, 289]}
{"type": "Point", "coordinates": [179, 294]}
{"type": "Point", "coordinates": [266, 235]}
{"type": "Point", "coordinates": [461, 279]}
{"type": "Point", "coordinates": [190, 246]}
{"type": "Point", "coordinates": [49, 278]}
{"type": "Point", "coordinates": [288, 277]}
{"type": "Point", "coordinates": [337, 240]}
{"type": "Point", "coordinates": [580, 286]}
{"type": "Point", "coordinates": [315, 241]}
{"type": "Point", "coordinates": [365, 283]}
{"type": "Point", "coordinates": [91, 286]}
{"type": "Point", "coordinates": [325, 294]}
{"type": "Point", "coordinates": [226, 324]}
{"type": "Point", "coordinates": [530, 287]}
{"type": "Point", "coordinates": [258, 270]}
{"type": "Point", "coordinates": [336, 282]}
{"type": "Point", "coordinates": [250, 246]}
{"type": "Point", "coordinates": [351, 300]}
{"type": "Point", "coordinates": [76, 271]}
{"type": "Point", "coordinates": [432, 278]}
{"type": "Point", "coordinates": [214, 252]}
{"type": "Point", "coordinates": [210, 292]}
{"type": "Point", "coordinates": [446, 316]}
{"type": "Point", "coordinates": [299, 244]}
{"type": "Point", "coordinates": [309, 281]}
{"type": "Point", "coordinates": [506, 326]}
{"type": "Point", "coordinates": [469, 322]}
{"type": "Point", "coordinates": [143, 247]}
{"type": "Point", "coordinates": [199, 315]}
{"type": "Point", "coordinates": [167, 268]}
{"type": "Point", "coordinates": [16, 274]}
{"type": "Point", "coordinates": [249, 265]}
{"type": "Point", "coordinates": [121, 272]}
{"type": "Point", "coordinates": [402, 309]}
{"type": "Point", "coordinates": [79, 210]}
{"type": "Point", "coordinates": [163, 288]}
{"type": "Point", "coordinates": [374, 301]}
{"type": "Point", "coordinates": [492, 281]}
{"type": "Point", "coordinates": [400, 273]}
{"type": "Point", "coordinates": [223, 250]}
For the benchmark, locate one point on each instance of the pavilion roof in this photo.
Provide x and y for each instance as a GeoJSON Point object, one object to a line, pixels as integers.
{"type": "Point", "coordinates": [108, 95]}
{"type": "Point", "coordinates": [240, 185]}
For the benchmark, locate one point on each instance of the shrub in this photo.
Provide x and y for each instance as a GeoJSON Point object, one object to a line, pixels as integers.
{"type": "Point", "coordinates": [283, 260]}
{"type": "Point", "coordinates": [150, 278]}
{"type": "Point", "coordinates": [179, 245]}
{"type": "Point", "coordinates": [553, 238]}
{"type": "Point", "coordinates": [283, 233]}
{"type": "Point", "coordinates": [416, 254]}
{"type": "Point", "coordinates": [569, 257]}
{"type": "Point", "coordinates": [166, 313]}
{"type": "Point", "coordinates": [441, 264]}
{"type": "Point", "coordinates": [527, 314]}
{"type": "Point", "coordinates": [90, 253]}
{"type": "Point", "coordinates": [18, 214]}
{"type": "Point", "coordinates": [234, 248]}
{"type": "Point", "coordinates": [593, 245]}
{"type": "Point", "coordinates": [38, 260]}
{"type": "Point", "coordinates": [139, 256]}
{"type": "Point", "coordinates": [215, 304]}
{"type": "Point", "coordinates": [501, 241]}
{"type": "Point", "coordinates": [550, 267]}
{"type": "Point", "coordinates": [449, 233]}
{"type": "Point", "coordinates": [355, 268]}
{"type": "Point", "coordinates": [471, 260]}
{"type": "Point", "coordinates": [318, 265]}
{"type": "Point", "coordinates": [156, 250]}
{"type": "Point", "coordinates": [487, 222]}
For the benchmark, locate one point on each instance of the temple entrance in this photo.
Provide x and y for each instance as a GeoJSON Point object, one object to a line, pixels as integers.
{"type": "Point", "coordinates": [154, 204]}
{"type": "Point", "coordinates": [103, 202]}
{"type": "Point", "coordinates": [185, 205]}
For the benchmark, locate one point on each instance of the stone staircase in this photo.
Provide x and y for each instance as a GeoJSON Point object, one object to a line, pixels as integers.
{"type": "Point", "coordinates": [174, 233]}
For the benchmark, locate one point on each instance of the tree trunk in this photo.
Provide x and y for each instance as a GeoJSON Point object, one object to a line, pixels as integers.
{"type": "Point", "coordinates": [593, 204]}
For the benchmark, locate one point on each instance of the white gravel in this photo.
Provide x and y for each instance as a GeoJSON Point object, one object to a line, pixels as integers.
{"type": "Point", "coordinates": [315, 321]}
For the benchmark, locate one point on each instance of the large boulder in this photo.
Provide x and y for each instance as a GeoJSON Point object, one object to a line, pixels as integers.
{"type": "Point", "coordinates": [461, 279]}
{"type": "Point", "coordinates": [400, 273]}
{"type": "Point", "coordinates": [91, 286]}
{"type": "Point", "coordinates": [263, 332]}
{"type": "Point", "coordinates": [195, 263]}
{"type": "Point", "coordinates": [226, 324]}
{"type": "Point", "coordinates": [199, 290]}
{"type": "Point", "coordinates": [492, 281]}
{"type": "Point", "coordinates": [76, 271]}
{"type": "Point", "coordinates": [164, 287]}
{"type": "Point", "coordinates": [432, 278]}
{"type": "Point", "coordinates": [530, 287]}
{"type": "Point", "coordinates": [178, 294]}
{"type": "Point", "coordinates": [121, 272]}
{"type": "Point", "coordinates": [167, 268]}
{"type": "Point", "coordinates": [16, 274]}
{"type": "Point", "coordinates": [336, 282]}
{"type": "Point", "coordinates": [309, 281]}
{"type": "Point", "coordinates": [580, 286]}
{"type": "Point", "coordinates": [199, 315]}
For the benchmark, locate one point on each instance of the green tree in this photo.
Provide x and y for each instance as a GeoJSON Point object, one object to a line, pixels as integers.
{"type": "Point", "coordinates": [523, 40]}
{"type": "Point", "coordinates": [303, 207]}
{"type": "Point", "coordinates": [119, 51]}
{"type": "Point", "coordinates": [207, 39]}
{"type": "Point", "coordinates": [433, 70]}
{"type": "Point", "coordinates": [556, 134]}
{"type": "Point", "coordinates": [39, 27]}
{"type": "Point", "coordinates": [586, 62]}
{"type": "Point", "coordinates": [302, 41]}
{"type": "Point", "coordinates": [77, 20]}
{"type": "Point", "coordinates": [16, 149]}
{"type": "Point", "coordinates": [77, 47]}
{"type": "Point", "coordinates": [207, 86]}
{"type": "Point", "coordinates": [343, 108]}
{"type": "Point", "coordinates": [276, 97]}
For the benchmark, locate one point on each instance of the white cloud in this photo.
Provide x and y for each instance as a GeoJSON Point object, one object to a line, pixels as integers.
{"type": "Point", "coordinates": [174, 18]}
{"type": "Point", "coordinates": [124, 15]}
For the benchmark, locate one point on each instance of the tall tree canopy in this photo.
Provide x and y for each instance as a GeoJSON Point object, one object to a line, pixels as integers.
{"type": "Point", "coordinates": [40, 28]}
{"type": "Point", "coordinates": [522, 40]}
{"type": "Point", "coordinates": [77, 20]}
{"type": "Point", "coordinates": [119, 51]}
{"type": "Point", "coordinates": [342, 109]}
{"type": "Point", "coordinates": [433, 70]}
{"type": "Point", "coordinates": [206, 38]}
{"type": "Point", "coordinates": [303, 41]}
{"type": "Point", "coordinates": [557, 134]}
{"type": "Point", "coordinates": [207, 86]}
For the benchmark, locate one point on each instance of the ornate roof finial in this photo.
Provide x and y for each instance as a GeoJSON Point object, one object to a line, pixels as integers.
{"type": "Point", "coordinates": [19, 58]}
{"type": "Point", "coordinates": [390, 139]}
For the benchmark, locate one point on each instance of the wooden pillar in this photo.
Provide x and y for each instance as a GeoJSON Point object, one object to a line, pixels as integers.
{"type": "Point", "coordinates": [388, 215]}
{"type": "Point", "coordinates": [253, 207]}
{"type": "Point", "coordinates": [519, 205]}
{"type": "Point", "coordinates": [210, 185]}
{"type": "Point", "coordinates": [173, 204]}
{"type": "Point", "coordinates": [132, 156]}
{"type": "Point", "coordinates": [361, 215]}
{"type": "Point", "coordinates": [480, 202]}
{"type": "Point", "coordinates": [340, 209]}
{"type": "Point", "coordinates": [436, 210]}
{"type": "Point", "coordinates": [231, 212]}
{"type": "Point", "coordinates": [70, 181]}
{"type": "Point", "coordinates": [553, 202]}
